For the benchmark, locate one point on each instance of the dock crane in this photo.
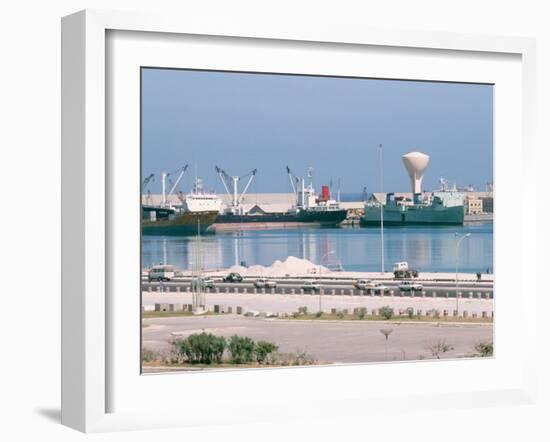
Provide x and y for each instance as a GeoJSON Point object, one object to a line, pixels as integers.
{"type": "Point", "coordinates": [165, 175]}
{"type": "Point", "coordinates": [231, 185]}
{"type": "Point", "coordinates": [145, 183]}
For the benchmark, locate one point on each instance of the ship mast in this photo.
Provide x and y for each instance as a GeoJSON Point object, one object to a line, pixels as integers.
{"type": "Point", "coordinates": [381, 212]}
{"type": "Point", "coordinates": [231, 185]}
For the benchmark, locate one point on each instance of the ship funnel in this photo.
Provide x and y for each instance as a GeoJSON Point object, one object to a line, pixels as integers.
{"type": "Point", "coordinates": [416, 163]}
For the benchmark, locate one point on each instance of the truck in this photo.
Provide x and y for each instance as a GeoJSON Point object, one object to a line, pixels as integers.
{"type": "Point", "coordinates": [401, 270]}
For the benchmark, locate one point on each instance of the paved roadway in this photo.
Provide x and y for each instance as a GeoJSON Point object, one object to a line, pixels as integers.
{"type": "Point", "coordinates": [340, 287]}
{"type": "Point", "coordinates": [327, 341]}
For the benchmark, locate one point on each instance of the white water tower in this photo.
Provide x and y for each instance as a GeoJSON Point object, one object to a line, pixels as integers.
{"type": "Point", "coordinates": [416, 163]}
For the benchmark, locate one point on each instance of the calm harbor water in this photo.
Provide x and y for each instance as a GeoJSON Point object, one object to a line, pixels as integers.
{"type": "Point", "coordinates": [430, 249]}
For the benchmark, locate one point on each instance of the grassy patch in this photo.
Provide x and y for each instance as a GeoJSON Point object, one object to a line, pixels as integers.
{"type": "Point", "coordinates": [395, 318]}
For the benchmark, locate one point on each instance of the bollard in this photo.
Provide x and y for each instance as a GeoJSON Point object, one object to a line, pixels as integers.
{"type": "Point", "coordinates": [292, 291]}
{"type": "Point", "coordinates": [478, 295]}
{"type": "Point", "coordinates": [470, 295]}
{"type": "Point", "coordinates": [333, 291]}
{"type": "Point", "coordinates": [459, 295]}
{"type": "Point", "coordinates": [341, 292]}
{"type": "Point", "coordinates": [178, 289]}
{"type": "Point", "coordinates": [483, 314]}
{"type": "Point", "coordinates": [423, 293]}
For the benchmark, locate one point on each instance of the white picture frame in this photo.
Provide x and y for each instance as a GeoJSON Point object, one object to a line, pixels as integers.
{"type": "Point", "coordinates": [87, 315]}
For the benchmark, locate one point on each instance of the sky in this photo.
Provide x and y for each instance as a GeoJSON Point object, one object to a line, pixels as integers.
{"type": "Point", "coordinates": [246, 121]}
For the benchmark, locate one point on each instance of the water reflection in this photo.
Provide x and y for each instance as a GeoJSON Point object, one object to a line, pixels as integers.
{"type": "Point", "coordinates": [427, 249]}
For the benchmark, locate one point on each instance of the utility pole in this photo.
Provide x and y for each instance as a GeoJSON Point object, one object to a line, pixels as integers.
{"type": "Point", "coordinates": [456, 264]}
{"type": "Point", "coordinates": [381, 211]}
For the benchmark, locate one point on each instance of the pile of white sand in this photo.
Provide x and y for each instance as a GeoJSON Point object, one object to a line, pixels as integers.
{"type": "Point", "coordinates": [292, 266]}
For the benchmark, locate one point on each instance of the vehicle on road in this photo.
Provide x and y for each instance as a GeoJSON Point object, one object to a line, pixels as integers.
{"type": "Point", "coordinates": [408, 286]}
{"type": "Point", "coordinates": [311, 285]}
{"type": "Point", "coordinates": [264, 283]}
{"type": "Point", "coordinates": [233, 277]}
{"type": "Point", "coordinates": [401, 270]}
{"type": "Point", "coordinates": [162, 273]}
{"type": "Point", "coordinates": [380, 288]}
{"type": "Point", "coordinates": [202, 283]}
{"type": "Point", "coordinates": [363, 284]}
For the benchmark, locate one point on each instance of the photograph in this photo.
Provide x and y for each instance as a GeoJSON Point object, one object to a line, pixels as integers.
{"type": "Point", "coordinates": [292, 220]}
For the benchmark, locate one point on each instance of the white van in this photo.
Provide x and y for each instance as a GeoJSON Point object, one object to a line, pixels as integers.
{"type": "Point", "coordinates": [161, 273]}
{"type": "Point", "coordinates": [400, 266]}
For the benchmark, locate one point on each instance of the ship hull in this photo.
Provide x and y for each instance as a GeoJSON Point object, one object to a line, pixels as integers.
{"type": "Point", "coordinates": [416, 215]}
{"type": "Point", "coordinates": [305, 217]}
{"type": "Point", "coordinates": [179, 224]}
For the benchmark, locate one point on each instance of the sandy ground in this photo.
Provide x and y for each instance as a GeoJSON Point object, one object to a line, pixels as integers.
{"type": "Point", "coordinates": [328, 341]}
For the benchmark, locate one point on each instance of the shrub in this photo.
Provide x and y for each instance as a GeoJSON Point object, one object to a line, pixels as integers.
{"type": "Point", "coordinates": [263, 350]}
{"type": "Point", "coordinates": [439, 347]}
{"type": "Point", "coordinates": [434, 312]}
{"type": "Point", "coordinates": [148, 355]}
{"type": "Point", "coordinates": [340, 315]}
{"type": "Point", "coordinates": [361, 313]}
{"type": "Point", "coordinates": [241, 349]}
{"type": "Point", "coordinates": [485, 349]}
{"type": "Point", "coordinates": [203, 348]}
{"type": "Point", "coordinates": [410, 312]}
{"type": "Point", "coordinates": [386, 312]}
{"type": "Point", "coordinates": [318, 314]}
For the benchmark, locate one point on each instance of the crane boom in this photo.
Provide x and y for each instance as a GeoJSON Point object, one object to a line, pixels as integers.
{"type": "Point", "coordinates": [231, 184]}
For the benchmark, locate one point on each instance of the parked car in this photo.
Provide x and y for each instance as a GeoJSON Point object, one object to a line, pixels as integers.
{"type": "Point", "coordinates": [363, 284]}
{"type": "Point", "coordinates": [380, 288]}
{"type": "Point", "coordinates": [233, 277]}
{"type": "Point", "coordinates": [202, 283]}
{"type": "Point", "coordinates": [407, 286]}
{"type": "Point", "coordinates": [311, 285]}
{"type": "Point", "coordinates": [265, 283]}
{"type": "Point", "coordinates": [161, 273]}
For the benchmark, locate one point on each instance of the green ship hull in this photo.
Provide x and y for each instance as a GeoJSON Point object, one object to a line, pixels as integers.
{"type": "Point", "coordinates": [399, 215]}
{"type": "Point", "coordinates": [169, 222]}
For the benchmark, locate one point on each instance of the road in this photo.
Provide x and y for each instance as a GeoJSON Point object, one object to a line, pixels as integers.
{"type": "Point", "coordinates": [329, 287]}
{"type": "Point", "coordinates": [326, 341]}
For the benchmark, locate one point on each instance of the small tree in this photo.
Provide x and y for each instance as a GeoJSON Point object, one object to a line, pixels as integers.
{"type": "Point", "coordinates": [485, 349]}
{"type": "Point", "coordinates": [439, 347]}
{"type": "Point", "coordinates": [386, 312]}
{"type": "Point", "coordinates": [241, 349]}
{"type": "Point", "coordinates": [263, 349]}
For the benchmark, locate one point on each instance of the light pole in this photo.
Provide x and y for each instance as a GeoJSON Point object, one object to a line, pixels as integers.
{"type": "Point", "coordinates": [456, 264]}
{"type": "Point", "coordinates": [381, 211]}
{"type": "Point", "coordinates": [330, 252]}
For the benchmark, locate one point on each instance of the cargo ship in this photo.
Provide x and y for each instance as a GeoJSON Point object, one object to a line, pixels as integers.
{"type": "Point", "coordinates": [441, 210]}
{"type": "Point", "coordinates": [194, 214]}
{"type": "Point", "coordinates": [310, 208]}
